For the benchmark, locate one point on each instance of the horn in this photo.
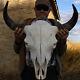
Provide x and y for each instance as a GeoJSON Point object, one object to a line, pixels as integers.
{"type": "Point", "coordinates": [11, 24]}
{"type": "Point", "coordinates": [71, 23]}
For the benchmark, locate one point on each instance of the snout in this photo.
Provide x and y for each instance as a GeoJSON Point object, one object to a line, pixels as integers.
{"type": "Point", "coordinates": [40, 74]}
{"type": "Point", "coordinates": [40, 69]}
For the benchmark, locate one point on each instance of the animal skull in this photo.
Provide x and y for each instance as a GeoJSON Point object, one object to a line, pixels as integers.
{"type": "Point", "coordinates": [40, 38]}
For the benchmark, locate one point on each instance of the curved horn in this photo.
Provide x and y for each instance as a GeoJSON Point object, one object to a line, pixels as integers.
{"type": "Point", "coordinates": [71, 23]}
{"type": "Point", "coordinates": [11, 24]}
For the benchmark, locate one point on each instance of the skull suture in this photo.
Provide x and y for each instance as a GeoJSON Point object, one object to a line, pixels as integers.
{"type": "Point", "coordinates": [40, 39]}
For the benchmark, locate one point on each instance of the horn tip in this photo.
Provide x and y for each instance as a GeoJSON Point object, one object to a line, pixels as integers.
{"type": "Point", "coordinates": [72, 4]}
{"type": "Point", "coordinates": [74, 7]}
{"type": "Point", "coordinates": [75, 10]}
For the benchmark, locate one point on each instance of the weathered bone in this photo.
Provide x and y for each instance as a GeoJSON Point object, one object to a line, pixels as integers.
{"type": "Point", "coordinates": [40, 36]}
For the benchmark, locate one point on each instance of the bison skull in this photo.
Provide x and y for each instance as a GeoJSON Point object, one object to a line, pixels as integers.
{"type": "Point", "coordinates": [40, 39]}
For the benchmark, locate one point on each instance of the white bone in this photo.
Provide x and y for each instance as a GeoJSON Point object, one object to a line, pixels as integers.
{"type": "Point", "coordinates": [40, 36]}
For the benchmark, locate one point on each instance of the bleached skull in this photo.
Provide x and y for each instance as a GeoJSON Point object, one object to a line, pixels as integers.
{"type": "Point", "coordinates": [40, 40]}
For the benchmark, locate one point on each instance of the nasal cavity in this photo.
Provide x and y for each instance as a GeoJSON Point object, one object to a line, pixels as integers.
{"type": "Point", "coordinates": [38, 72]}
{"type": "Point", "coordinates": [40, 78]}
{"type": "Point", "coordinates": [42, 72]}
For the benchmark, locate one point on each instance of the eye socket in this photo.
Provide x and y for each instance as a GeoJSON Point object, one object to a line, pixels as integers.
{"type": "Point", "coordinates": [26, 43]}
{"type": "Point", "coordinates": [27, 46]}
{"type": "Point", "coordinates": [54, 45]}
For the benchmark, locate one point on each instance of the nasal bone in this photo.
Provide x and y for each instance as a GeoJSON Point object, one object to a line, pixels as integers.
{"type": "Point", "coordinates": [41, 74]}
{"type": "Point", "coordinates": [41, 78]}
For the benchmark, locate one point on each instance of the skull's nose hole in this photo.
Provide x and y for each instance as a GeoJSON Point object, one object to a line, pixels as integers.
{"type": "Point", "coordinates": [42, 72]}
{"type": "Point", "coordinates": [40, 78]}
{"type": "Point", "coordinates": [38, 72]}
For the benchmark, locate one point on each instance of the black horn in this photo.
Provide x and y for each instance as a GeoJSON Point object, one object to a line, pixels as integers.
{"type": "Point", "coordinates": [11, 24]}
{"type": "Point", "coordinates": [71, 23]}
